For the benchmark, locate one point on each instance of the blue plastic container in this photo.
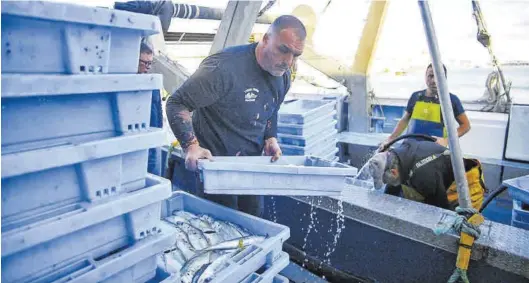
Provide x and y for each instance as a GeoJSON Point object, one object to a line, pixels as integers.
{"type": "Point", "coordinates": [249, 260]}
{"type": "Point", "coordinates": [322, 124]}
{"type": "Point", "coordinates": [58, 38]}
{"type": "Point", "coordinates": [305, 111]}
{"type": "Point", "coordinates": [68, 242]}
{"type": "Point", "coordinates": [519, 212]}
{"type": "Point", "coordinates": [136, 263]}
{"type": "Point", "coordinates": [47, 183]}
{"type": "Point", "coordinates": [288, 176]}
{"type": "Point", "coordinates": [307, 141]}
{"type": "Point", "coordinates": [53, 110]}
{"type": "Point", "coordinates": [519, 188]}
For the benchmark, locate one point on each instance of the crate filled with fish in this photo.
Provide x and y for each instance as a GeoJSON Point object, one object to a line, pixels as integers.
{"type": "Point", "coordinates": [214, 243]}
{"type": "Point", "coordinates": [290, 175]}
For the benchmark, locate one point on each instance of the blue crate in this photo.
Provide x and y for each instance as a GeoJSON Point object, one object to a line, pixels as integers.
{"type": "Point", "coordinates": [250, 259]}
{"type": "Point", "coordinates": [307, 141]}
{"type": "Point", "coordinates": [91, 231]}
{"type": "Point", "coordinates": [320, 148]}
{"type": "Point", "coordinates": [290, 175]}
{"type": "Point", "coordinates": [304, 111]}
{"type": "Point", "coordinates": [136, 263]}
{"type": "Point", "coordinates": [518, 188]}
{"type": "Point", "coordinates": [58, 38]}
{"type": "Point", "coordinates": [315, 127]}
{"type": "Point", "coordinates": [52, 110]}
{"type": "Point", "coordinates": [519, 224]}
{"type": "Point", "coordinates": [46, 183]}
{"type": "Point", "coordinates": [519, 213]}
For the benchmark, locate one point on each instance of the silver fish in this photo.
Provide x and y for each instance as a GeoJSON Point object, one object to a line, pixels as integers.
{"type": "Point", "coordinates": [222, 232]}
{"type": "Point", "coordinates": [195, 236]}
{"type": "Point", "coordinates": [236, 243]}
{"type": "Point", "coordinates": [208, 231]}
{"type": "Point", "coordinates": [191, 267]}
{"type": "Point", "coordinates": [184, 214]}
{"type": "Point", "coordinates": [229, 231]}
{"type": "Point", "coordinates": [183, 244]}
{"type": "Point", "coordinates": [213, 268]}
{"type": "Point", "coordinates": [177, 255]}
{"type": "Point", "coordinates": [175, 219]}
{"type": "Point", "coordinates": [239, 229]}
{"type": "Point", "coordinates": [207, 218]}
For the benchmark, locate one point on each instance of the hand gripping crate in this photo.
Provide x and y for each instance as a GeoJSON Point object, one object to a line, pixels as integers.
{"type": "Point", "coordinates": [58, 38]}
{"type": "Point", "coordinates": [53, 110]}
{"type": "Point", "coordinates": [288, 176]}
{"type": "Point", "coordinates": [47, 183]}
{"type": "Point", "coordinates": [249, 260]}
{"type": "Point", "coordinates": [70, 244]}
{"type": "Point", "coordinates": [304, 111]}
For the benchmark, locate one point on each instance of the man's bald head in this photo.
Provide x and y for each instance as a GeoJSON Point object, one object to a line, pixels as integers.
{"type": "Point", "coordinates": [288, 22]}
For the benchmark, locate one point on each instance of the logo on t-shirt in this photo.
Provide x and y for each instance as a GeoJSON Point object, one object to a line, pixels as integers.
{"type": "Point", "coordinates": [250, 94]}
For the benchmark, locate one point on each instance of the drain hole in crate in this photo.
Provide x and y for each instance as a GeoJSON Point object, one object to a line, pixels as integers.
{"type": "Point", "coordinates": [91, 69]}
{"type": "Point", "coordinates": [130, 127]}
{"type": "Point", "coordinates": [82, 68]}
{"type": "Point", "coordinates": [98, 193]}
{"type": "Point", "coordinates": [100, 69]}
{"type": "Point", "coordinates": [105, 191]}
{"type": "Point", "coordinates": [142, 234]}
{"type": "Point", "coordinates": [113, 189]}
{"type": "Point", "coordinates": [137, 126]}
{"type": "Point", "coordinates": [143, 125]}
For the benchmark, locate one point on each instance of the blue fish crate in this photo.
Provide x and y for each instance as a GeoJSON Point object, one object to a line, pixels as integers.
{"type": "Point", "coordinates": [520, 214]}
{"type": "Point", "coordinates": [246, 261]}
{"type": "Point", "coordinates": [53, 110]}
{"type": "Point", "coordinates": [307, 141]}
{"type": "Point", "coordinates": [518, 188]}
{"type": "Point", "coordinates": [66, 243]}
{"type": "Point", "coordinates": [304, 111]}
{"type": "Point", "coordinates": [58, 38]}
{"type": "Point", "coordinates": [270, 275]}
{"type": "Point", "coordinates": [322, 124]}
{"type": "Point", "coordinates": [320, 148]}
{"type": "Point", "coordinates": [43, 184]}
{"type": "Point", "coordinates": [288, 176]}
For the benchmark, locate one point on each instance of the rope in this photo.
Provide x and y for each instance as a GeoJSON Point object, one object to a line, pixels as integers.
{"type": "Point", "coordinates": [469, 231]}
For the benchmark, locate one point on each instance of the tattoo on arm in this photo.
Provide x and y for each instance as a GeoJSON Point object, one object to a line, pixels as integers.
{"type": "Point", "coordinates": [180, 121]}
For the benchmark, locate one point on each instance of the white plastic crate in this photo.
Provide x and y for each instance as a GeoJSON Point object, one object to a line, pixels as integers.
{"type": "Point", "coordinates": [290, 175]}
{"type": "Point", "coordinates": [271, 274]}
{"type": "Point", "coordinates": [247, 261]}
{"type": "Point", "coordinates": [519, 188]}
{"type": "Point", "coordinates": [45, 183]}
{"type": "Point", "coordinates": [92, 231]}
{"type": "Point", "coordinates": [321, 148]}
{"type": "Point", "coordinates": [53, 110]}
{"type": "Point", "coordinates": [314, 127]}
{"type": "Point", "coordinates": [306, 141]}
{"type": "Point", "coordinates": [59, 38]}
{"type": "Point", "coordinates": [304, 111]}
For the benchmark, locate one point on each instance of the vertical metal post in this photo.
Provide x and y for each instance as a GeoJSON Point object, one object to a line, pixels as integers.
{"type": "Point", "coordinates": [446, 107]}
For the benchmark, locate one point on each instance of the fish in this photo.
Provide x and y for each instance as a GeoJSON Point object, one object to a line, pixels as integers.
{"type": "Point", "coordinates": [207, 218]}
{"type": "Point", "coordinates": [196, 236]}
{"type": "Point", "coordinates": [169, 263]}
{"type": "Point", "coordinates": [184, 214]}
{"type": "Point", "coordinates": [192, 266]}
{"type": "Point", "coordinates": [183, 244]}
{"type": "Point", "coordinates": [228, 231]}
{"type": "Point", "coordinates": [236, 243]}
{"type": "Point", "coordinates": [175, 219]}
{"type": "Point", "coordinates": [213, 268]}
{"type": "Point", "coordinates": [242, 231]}
{"type": "Point", "coordinates": [176, 254]}
{"type": "Point", "coordinates": [222, 232]}
{"type": "Point", "coordinates": [209, 232]}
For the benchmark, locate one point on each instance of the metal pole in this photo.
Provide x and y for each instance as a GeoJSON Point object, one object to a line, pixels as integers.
{"type": "Point", "coordinates": [446, 107]}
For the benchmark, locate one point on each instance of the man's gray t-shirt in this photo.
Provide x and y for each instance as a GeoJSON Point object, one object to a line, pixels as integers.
{"type": "Point", "coordinates": [234, 102]}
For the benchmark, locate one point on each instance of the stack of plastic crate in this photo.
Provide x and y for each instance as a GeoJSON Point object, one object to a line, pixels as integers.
{"type": "Point", "coordinates": [77, 202]}
{"type": "Point", "coordinates": [308, 127]}
{"type": "Point", "coordinates": [519, 191]}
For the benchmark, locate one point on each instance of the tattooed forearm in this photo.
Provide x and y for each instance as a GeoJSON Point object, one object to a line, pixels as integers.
{"type": "Point", "coordinates": [179, 118]}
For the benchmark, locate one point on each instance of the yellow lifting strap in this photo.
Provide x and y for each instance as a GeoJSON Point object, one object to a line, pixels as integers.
{"type": "Point", "coordinates": [469, 231]}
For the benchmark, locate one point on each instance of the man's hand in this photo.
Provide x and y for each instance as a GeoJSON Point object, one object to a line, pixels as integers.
{"type": "Point", "coordinates": [272, 148]}
{"type": "Point", "coordinates": [382, 146]}
{"type": "Point", "coordinates": [193, 153]}
{"type": "Point", "coordinates": [441, 141]}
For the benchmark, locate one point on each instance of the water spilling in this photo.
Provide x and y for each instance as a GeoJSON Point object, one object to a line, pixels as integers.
{"type": "Point", "coordinates": [274, 213]}
{"type": "Point", "coordinates": [311, 225]}
{"type": "Point", "coordinates": [340, 225]}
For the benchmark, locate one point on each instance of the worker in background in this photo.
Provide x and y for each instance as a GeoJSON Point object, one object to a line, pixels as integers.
{"type": "Point", "coordinates": [235, 96]}
{"type": "Point", "coordinates": [144, 65]}
{"type": "Point", "coordinates": [423, 113]}
{"type": "Point", "coordinates": [422, 171]}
